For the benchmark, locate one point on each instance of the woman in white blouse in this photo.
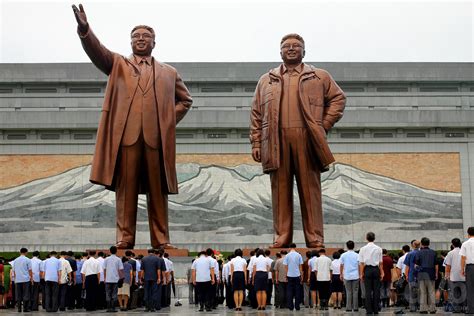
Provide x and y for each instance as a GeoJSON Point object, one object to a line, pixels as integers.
{"type": "Point", "coordinates": [260, 270]}
{"type": "Point", "coordinates": [337, 287]}
{"type": "Point", "coordinates": [238, 278]}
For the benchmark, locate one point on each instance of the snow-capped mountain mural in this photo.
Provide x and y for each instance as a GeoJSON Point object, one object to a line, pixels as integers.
{"type": "Point", "coordinates": [227, 201]}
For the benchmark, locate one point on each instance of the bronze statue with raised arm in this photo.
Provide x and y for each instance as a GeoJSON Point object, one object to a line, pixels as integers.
{"type": "Point", "coordinates": [294, 107]}
{"type": "Point", "coordinates": [136, 139]}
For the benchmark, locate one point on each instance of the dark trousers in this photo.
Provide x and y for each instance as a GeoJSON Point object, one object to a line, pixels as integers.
{"type": "Point", "coordinates": [269, 291]}
{"type": "Point", "coordinates": [51, 292]}
{"type": "Point", "coordinates": [293, 291]}
{"type": "Point", "coordinates": [92, 290]}
{"type": "Point", "coordinates": [229, 295]}
{"type": "Point", "coordinates": [372, 289]}
{"type": "Point", "coordinates": [252, 296]}
{"type": "Point", "coordinates": [111, 290]}
{"type": "Point", "coordinates": [282, 286]}
{"type": "Point", "coordinates": [22, 291]}
{"type": "Point", "coordinates": [34, 296]}
{"type": "Point", "coordinates": [324, 291]}
{"type": "Point", "coordinates": [43, 293]}
{"type": "Point", "coordinates": [277, 295]}
{"type": "Point", "coordinates": [78, 302]}
{"type": "Point", "coordinates": [62, 296]}
{"type": "Point", "coordinates": [213, 295]}
{"type": "Point", "coordinates": [152, 295]}
{"type": "Point", "coordinates": [101, 295]}
{"type": "Point", "coordinates": [166, 295]}
{"type": "Point", "coordinates": [203, 290]}
{"type": "Point", "coordinates": [71, 297]}
{"type": "Point", "coordinates": [470, 288]}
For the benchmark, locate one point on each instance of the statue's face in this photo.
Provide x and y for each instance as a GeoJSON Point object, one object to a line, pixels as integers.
{"type": "Point", "coordinates": [142, 42]}
{"type": "Point", "coordinates": [292, 51]}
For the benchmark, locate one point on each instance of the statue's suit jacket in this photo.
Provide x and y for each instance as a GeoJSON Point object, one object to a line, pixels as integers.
{"type": "Point", "coordinates": [172, 100]}
{"type": "Point", "coordinates": [322, 105]}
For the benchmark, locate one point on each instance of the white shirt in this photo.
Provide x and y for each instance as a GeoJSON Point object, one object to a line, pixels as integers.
{"type": "Point", "coordinates": [311, 264]}
{"type": "Point", "coordinates": [250, 266]}
{"type": "Point", "coordinates": [215, 264]}
{"type": "Point", "coordinates": [238, 263]}
{"type": "Point", "coordinates": [112, 267]}
{"type": "Point", "coordinates": [139, 269]}
{"type": "Point", "coordinates": [400, 263]}
{"type": "Point", "coordinates": [202, 266]}
{"type": "Point", "coordinates": [467, 250]}
{"type": "Point", "coordinates": [101, 263]}
{"type": "Point", "coordinates": [226, 271]}
{"type": "Point", "coordinates": [270, 261]}
{"type": "Point", "coordinates": [91, 266]}
{"type": "Point", "coordinates": [370, 255]}
{"type": "Point", "coordinates": [322, 266]}
{"type": "Point", "coordinates": [336, 266]}
{"type": "Point", "coordinates": [261, 264]}
{"type": "Point", "coordinates": [169, 267]}
{"type": "Point", "coordinates": [65, 269]}
{"type": "Point", "coordinates": [453, 259]}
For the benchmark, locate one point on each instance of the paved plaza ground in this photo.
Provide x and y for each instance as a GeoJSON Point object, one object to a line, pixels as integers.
{"type": "Point", "coordinates": [186, 309]}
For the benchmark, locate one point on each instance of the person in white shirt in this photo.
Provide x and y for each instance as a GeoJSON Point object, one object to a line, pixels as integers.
{"type": "Point", "coordinates": [238, 278]}
{"type": "Point", "coordinates": [350, 276]}
{"type": "Point", "coordinates": [453, 275]}
{"type": "Point", "coordinates": [270, 277]}
{"type": "Point", "coordinates": [400, 263]}
{"type": "Point", "coordinates": [202, 271]}
{"type": "Point", "coordinates": [260, 269]}
{"type": "Point", "coordinates": [113, 272]}
{"type": "Point", "coordinates": [311, 280]}
{"type": "Point", "coordinates": [214, 286]}
{"type": "Point", "coordinates": [64, 280]}
{"type": "Point", "coordinates": [229, 294]}
{"type": "Point", "coordinates": [101, 302]}
{"type": "Point", "coordinates": [91, 271]}
{"type": "Point", "coordinates": [467, 268]}
{"type": "Point", "coordinates": [371, 272]}
{"type": "Point", "coordinates": [322, 267]}
{"type": "Point", "coordinates": [252, 296]}
{"type": "Point", "coordinates": [35, 269]}
{"type": "Point", "coordinates": [166, 291]}
{"type": "Point", "coordinates": [337, 287]}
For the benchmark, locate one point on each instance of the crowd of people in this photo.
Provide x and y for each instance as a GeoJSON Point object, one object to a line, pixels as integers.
{"type": "Point", "coordinates": [417, 279]}
{"type": "Point", "coordinates": [90, 281]}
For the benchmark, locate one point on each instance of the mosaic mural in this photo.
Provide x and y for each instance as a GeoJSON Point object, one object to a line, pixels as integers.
{"type": "Point", "coordinates": [231, 204]}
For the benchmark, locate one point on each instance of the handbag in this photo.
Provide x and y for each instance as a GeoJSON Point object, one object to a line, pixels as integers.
{"type": "Point", "coordinates": [120, 282]}
{"type": "Point", "coordinates": [443, 285]}
{"type": "Point", "coordinates": [400, 285]}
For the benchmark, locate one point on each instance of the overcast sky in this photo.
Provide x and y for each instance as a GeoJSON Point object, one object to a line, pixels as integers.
{"type": "Point", "coordinates": [245, 30]}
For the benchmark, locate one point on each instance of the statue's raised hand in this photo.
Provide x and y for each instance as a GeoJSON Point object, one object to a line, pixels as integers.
{"type": "Point", "coordinates": [81, 18]}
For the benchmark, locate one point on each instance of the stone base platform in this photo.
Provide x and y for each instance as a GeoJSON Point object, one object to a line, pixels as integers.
{"type": "Point", "coordinates": [302, 251]}
{"type": "Point", "coordinates": [144, 252]}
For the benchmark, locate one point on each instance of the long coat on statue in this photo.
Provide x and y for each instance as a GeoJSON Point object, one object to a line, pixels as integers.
{"type": "Point", "coordinates": [172, 98]}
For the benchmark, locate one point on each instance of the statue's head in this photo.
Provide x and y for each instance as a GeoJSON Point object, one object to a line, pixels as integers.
{"type": "Point", "coordinates": [143, 40]}
{"type": "Point", "coordinates": [292, 49]}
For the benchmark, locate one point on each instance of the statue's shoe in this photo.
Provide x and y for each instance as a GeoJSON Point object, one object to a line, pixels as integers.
{"type": "Point", "coordinates": [315, 244]}
{"type": "Point", "coordinates": [168, 246]}
{"type": "Point", "coordinates": [123, 245]}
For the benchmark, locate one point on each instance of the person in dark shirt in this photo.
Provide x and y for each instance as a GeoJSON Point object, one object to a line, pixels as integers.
{"type": "Point", "coordinates": [153, 274]}
{"type": "Point", "coordinates": [70, 293]}
{"type": "Point", "coordinates": [425, 263]}
{"type": "Point", "coordinates": [412, 274]}
{"type": "Point", "coordinates": [387, 265]}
